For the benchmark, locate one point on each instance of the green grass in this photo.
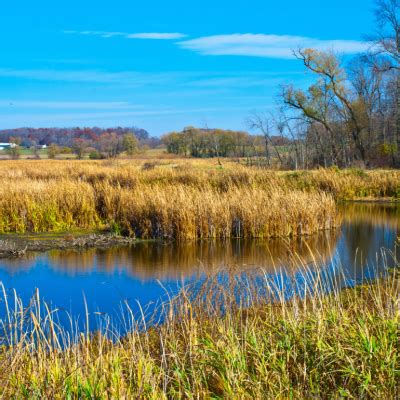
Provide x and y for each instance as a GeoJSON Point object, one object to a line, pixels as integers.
{"type": "Point", "coordinates": [27, 153]}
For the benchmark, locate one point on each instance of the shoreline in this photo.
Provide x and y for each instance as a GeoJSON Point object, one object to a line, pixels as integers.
{"type": "Point", "coordinates": [16, 246]}
{"type": "Point", "coordinates": [377, 200]}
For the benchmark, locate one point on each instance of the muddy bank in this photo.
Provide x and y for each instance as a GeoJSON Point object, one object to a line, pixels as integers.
{"type": "Point", "coordinates": [18, 246]}
{"type": "Point", "coordinates": [384, 200]}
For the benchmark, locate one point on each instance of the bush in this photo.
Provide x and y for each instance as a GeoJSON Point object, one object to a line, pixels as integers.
{"type": "Point", "coordinates": [95, 155]}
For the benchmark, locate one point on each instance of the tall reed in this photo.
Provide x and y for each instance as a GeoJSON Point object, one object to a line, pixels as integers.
{"type": "Point", "coordinates": [213, 345]}
{"type": "Point", "coordinates": [178, 202]}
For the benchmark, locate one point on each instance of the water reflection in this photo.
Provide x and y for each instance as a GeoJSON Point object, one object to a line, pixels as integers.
{"type": "Point", "coordinates": [148, 261]}
{"type": "Point", "coordinates": [368, 237]}
{"type": "Point", "coordinates": [374, 214]}
{"type": "Point", "coordinates": [143, 271]}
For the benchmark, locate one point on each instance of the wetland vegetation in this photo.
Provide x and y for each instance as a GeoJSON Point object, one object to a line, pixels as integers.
{"type": "Point", "coordinates": [180, 200]}
{"type": "Point", "coordinates": [294, 334]}
{"type": "Point", "coordinates": [342, 344]}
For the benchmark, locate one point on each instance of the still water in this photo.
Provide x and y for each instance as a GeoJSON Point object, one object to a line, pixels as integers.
{"type": "Point", "coordinates": [143, 272]}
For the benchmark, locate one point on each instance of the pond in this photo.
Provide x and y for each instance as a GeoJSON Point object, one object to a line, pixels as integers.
{"type": "Point", "coordinates": [142, 273]}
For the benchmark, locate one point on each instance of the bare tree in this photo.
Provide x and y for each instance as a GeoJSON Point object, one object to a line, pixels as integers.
{"type": "Point", "coordinates": [262, 124]}
{"type": "Point", "coordinates": [385, 52]}
{"type": "Point", "coordinates": [387, 38]}
{"type": "Point", "coordinates": [327, 66]}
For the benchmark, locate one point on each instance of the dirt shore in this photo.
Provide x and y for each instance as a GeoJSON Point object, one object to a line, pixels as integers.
{"type": "Point", "coordinates": [15, 246]}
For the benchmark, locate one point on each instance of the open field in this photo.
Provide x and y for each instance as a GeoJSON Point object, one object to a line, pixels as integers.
{"type": "Point", "coordinates": [43, 154]}
{"type": "Point", "coordinates": [179, 199]}
{"type": "Point", "coordinates": [344, 344]}
{"type": "Point", "coordinates": [28, 154]}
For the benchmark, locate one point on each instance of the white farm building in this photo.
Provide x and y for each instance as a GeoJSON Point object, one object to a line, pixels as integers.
{"type": "Point", "coordinates": [6, 145]}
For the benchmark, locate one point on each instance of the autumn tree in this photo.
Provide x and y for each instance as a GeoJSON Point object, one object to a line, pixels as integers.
{"type": "Point", "coordinates": [53, 151]}
{"type": "Point", "coordinates": [262, 124]}
{"type": "Point", "coordinates": [110, 144]}
{"type": "Point", "coordinates": [79, 147]}
{"type": "Point", "coordinates": [14, 149]}
{"type": "Point", "coordinates": [209, 142]}
{"type": "Point", "coordinates": [175, 143]}
{"type": "Point", "coordinates": [329, 102]}
{"type": "Point", "coordinates": [130, 144]}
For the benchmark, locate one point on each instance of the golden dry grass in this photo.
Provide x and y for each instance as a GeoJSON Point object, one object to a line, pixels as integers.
{"type": "Point", "coordinates": [342, 345]}
{"type": "Point", "coordinates": [179, 199]}
{"type": "Point", "coordinates": [175, 201]}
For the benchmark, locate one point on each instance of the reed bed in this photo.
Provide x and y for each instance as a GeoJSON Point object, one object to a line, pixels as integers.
{"type": "Point", "coordinates": [178, 201]}
{"type": "Point", "coordinates": [342, 344]}
{"type": "Point", "coordinates": [350, 184]}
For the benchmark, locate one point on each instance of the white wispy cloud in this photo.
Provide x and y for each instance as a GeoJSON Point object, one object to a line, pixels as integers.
{"type": "Point", "coordinates": [156, 35]}
{"type": "Point", "coordinates": [140, 35]}
{"type": "Point", "coordinates": [71, 105]}
{"type": "Point", "coordinates": [131, 78]}
{"type": "Point", "coordinates": [101, 118]}
{"type": "Point", "coordinates": [180, 79]}
{"type": "Point", "coordinates": [261, 45]}
{"type": "Point", "coordinates": [242, 44]}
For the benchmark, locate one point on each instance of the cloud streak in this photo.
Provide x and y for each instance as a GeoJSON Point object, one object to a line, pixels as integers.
{"type": "Point", "coordinates": [270, 46]}
{"type": "Point", "coordinates": [131, 78]}
{"type": "Point", "coordinates": [63, 105]}
{"type": "Point", "coordinates": [141, 35]}
{"type": "Point", "coordinates": [180, 79]}
{"type": "Point", "coordinates": [156, 36]}
{"type": "Point", "coordinates": [102, 118]}
{"type": "Point", "coordinates": [242, 44]}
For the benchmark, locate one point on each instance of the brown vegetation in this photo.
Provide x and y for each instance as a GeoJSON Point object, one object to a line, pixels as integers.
{"type": "Point", "coordinates": [176, 201]}
{"type": "Point", "coordinates": [179, 199]}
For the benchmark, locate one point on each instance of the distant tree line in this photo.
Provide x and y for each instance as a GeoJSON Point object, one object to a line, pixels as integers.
{"type": "Point", "coordinates": [197, 142]}
{"type": "Point", "coordinates": [65, 136]}
{"type": "Point", "coordinates": [96, 142]}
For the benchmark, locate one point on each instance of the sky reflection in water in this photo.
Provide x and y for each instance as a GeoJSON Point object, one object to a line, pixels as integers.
{"type": "Point", "coordinates": [143, 272]}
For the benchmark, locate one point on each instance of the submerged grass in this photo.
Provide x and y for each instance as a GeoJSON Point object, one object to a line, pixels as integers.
{"type": "Point", "coordinates": [212, 345]}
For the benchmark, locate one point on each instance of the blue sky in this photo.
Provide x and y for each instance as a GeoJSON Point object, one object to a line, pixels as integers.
{"type": "Point", "coordinates": [161, 65]}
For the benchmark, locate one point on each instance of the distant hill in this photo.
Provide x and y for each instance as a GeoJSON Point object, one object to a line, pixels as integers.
{"type": "Point", "coordinates": [67, 136]}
